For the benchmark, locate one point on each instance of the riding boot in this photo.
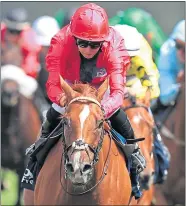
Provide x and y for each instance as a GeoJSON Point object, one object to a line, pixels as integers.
{"type": "Point", "coordinates": [121, 124]}
{"type": "Point", "coordinates": [162, 157]}
{"type": "Point", "coordinates": [50, 123]}
{"type": "Point", "coordinates": [40, 102]}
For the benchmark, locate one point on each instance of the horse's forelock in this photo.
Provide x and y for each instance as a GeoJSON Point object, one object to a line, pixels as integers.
{"type": "Point", "coordinates": [85, 90]}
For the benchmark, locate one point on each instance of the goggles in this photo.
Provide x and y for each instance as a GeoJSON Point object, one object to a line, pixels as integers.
{"type": "Point", "coordinates": [14, 31]}
{"type": "Point", "coordinates": [84, 44]}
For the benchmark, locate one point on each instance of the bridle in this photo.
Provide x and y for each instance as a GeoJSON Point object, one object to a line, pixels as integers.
{"type": "Point", "coordinates": [133, 101]}
{"type": "Point", "coordinates": [80, 145]}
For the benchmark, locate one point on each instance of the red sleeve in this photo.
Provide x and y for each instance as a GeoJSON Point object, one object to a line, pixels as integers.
{"type": "Point", "coordinates": [53, 64]}
{"type": "Point", "coordinates": [118, 62]}
{"type": "Point", "coordinates": [30, 51]}
{"type": "Point", "coordinates": [3, 32]}
{"type": "Point", "coordinates": [30, 65]}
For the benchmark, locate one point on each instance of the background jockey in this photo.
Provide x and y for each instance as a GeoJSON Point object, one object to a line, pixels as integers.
{"type": "Point", "coordinates": [145, 24]}
{"type": "Point", "coordinates": [141, 75]}
{"type": "Point", "coordinates": [63, 17]}
{"type": "Point", "coordinates": [45, 27]}
{"type": "Point", "coordinates": [143, 72]}
{"type": "Point", "coordinates": [89, 50]}
{"type": "Point", "coordinates": [171, 65]}
{"type": "Point", "coordinates": [16, 32]}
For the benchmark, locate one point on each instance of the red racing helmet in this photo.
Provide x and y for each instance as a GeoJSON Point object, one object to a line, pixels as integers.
{"type": "Point", "coordinates": [90, 22]}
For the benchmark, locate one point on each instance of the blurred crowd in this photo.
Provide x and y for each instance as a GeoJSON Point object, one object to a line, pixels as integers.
{"type": "Point", "coordinates": [25, 45]}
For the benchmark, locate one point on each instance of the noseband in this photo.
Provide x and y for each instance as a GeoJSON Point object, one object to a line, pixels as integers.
{"type": "Point", "coordinates": [80, 145]}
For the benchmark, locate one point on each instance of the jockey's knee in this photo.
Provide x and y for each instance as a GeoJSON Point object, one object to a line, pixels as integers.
{"type": "Point", "coordinates": [53, 116]}
{"type": "Point", "coordinates": [121, 124]}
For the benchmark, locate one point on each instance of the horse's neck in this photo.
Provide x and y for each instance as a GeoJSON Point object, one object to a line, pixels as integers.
{"type": "Point", "coordinates": [29, 120]}
{"type": "Point", "coordinates": [9, 122]}
{"type": "Point", "coordinates": [7, 114]}
{"type": "Point", "coordinates": [180, 115]}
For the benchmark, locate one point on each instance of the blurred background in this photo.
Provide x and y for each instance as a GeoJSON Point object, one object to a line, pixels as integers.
{"type": "Point", "coordinates": [19, 131]}
{"type": "Point", "coordinates": [167, 14]}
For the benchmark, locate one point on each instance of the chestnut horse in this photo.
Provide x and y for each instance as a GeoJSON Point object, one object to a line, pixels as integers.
{"type": "Point", "coordinates": [142, 122]}
{"type": "Point", "coordinates": [85, 167]}
{"type": "Point", "coordinates": [173, 133]}
{"type": "Point", "coordinates": [20, 126]}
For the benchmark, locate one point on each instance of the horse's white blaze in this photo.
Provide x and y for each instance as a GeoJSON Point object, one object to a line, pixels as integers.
{"type": "Point", "coordinates": [77, 160]}
{"type": "Point", "coordinates": [83, 116]}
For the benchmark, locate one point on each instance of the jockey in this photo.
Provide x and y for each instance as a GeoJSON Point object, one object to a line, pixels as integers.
{"type": "Point", "coordinates": [171, 65]}
{"type": "Point", "coordinates": [143, 72]}
{"type": "Point", "coordinates": [145, 24]}
{"type": "Point", "coordinates": [141, 75]}
{"type": "Point", "coordinates": [16, 31]}
{"type": "Point", "coordinates": [27, 84]}
{"type": "Point", "coordinates": [89, 50]}
{"type": "Point", "coordinates": [45, 27]}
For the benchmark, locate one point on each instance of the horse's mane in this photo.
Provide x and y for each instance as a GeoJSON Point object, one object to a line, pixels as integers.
{"type": "Point", "coordinates": [85, 89]}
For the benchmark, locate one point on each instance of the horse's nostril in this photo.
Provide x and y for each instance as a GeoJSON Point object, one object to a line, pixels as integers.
{"type": "Point", "coordinates": [86, 167]}
{"type": "Point", "coordinates": [146, 178]}
{"type": "Point", "coordinates": [69, 167]}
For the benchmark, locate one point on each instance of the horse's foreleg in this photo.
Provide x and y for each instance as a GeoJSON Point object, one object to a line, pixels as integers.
{"type": "Point", "coordinates": [28, 197]}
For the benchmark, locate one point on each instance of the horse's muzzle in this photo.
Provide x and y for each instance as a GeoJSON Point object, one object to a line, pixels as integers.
{"type": "Point", "coordinates": [84, 167]}
{"type": "Point", "coordinates": [10, 98]}
{"type": "Point", "coordinates": [79, 173]}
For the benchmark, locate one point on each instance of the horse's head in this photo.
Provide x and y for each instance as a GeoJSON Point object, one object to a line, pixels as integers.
{"type": "Point", "coordinates": [142, 123]}
{"type": "Point", "coordinates": [9, 93]}
{"type": "Point", "coordinates": [83, 130]}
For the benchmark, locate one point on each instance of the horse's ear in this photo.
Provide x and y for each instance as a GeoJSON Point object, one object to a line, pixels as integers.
{"type": "Point", "coordinates": [147, 98]}
{"type": "Point", "coordinates": [102, 89]}
{"type": "Point", "coordinates": [70, 93]}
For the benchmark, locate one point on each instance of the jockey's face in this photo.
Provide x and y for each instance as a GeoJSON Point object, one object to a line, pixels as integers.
{"type": "Point", "coordinates": [180, 46]}
{"type": "Point", "coordinates": [88, 49]}
{"type": "Point", "coordinates": [12, 36]}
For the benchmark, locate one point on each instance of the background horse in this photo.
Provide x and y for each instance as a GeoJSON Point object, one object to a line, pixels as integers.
{"type": "Point", "coordinates": [142, 123]}
{"type": "Point", "coordinates": [11, 54]}
{"type": "Point", "coordinates": [20, 126]}
{"type": "Point", "coordinates": [173, 133]}
{"type": "Point", "coordinates": [85, 140]}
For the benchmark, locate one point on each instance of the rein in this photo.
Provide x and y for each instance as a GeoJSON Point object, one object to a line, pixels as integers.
{"type": "Point", "coordinates": [134, 105]}
{"type": "Point", "coordinates": [81, 145]}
